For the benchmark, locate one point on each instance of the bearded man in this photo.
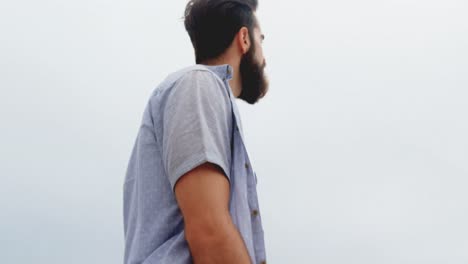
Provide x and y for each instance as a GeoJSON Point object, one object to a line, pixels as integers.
{"type": "Point", "coordinates": [190, 191]}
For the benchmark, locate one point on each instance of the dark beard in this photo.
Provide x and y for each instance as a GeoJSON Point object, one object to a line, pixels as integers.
{"type": "Point", "coordinates": [254, 81]}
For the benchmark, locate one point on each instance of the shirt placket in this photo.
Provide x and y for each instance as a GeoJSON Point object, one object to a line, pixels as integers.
{"type": "Point", "coordinates": [257, 228]}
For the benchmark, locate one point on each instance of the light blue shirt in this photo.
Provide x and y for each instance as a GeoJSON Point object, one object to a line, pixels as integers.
{"type": "Point", "coordinates": [190, 118]}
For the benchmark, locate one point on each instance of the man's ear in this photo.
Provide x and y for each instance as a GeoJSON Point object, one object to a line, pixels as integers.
{"type": "Point", "coordinates": [243, 39]}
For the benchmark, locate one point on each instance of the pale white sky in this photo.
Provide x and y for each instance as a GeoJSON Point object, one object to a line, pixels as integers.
{"type": "Point", "coordinates": [360, 147]}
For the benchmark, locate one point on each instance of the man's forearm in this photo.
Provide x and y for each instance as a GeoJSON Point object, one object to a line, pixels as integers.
{"type": "Point", "coordinates": [224, 246]}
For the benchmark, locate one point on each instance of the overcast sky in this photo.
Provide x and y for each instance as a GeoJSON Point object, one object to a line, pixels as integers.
{"type": "Point", "coordinates": [360, 147]}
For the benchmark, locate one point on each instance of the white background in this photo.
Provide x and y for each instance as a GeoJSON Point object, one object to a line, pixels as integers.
{"type": "Point", "coordinates": [360, 147]}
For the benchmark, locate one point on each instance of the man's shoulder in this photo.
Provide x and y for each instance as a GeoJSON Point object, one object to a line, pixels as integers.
{"type": "Point", "coordinates": [189, 72]}
{"type": "Point", "coordinates": [193, 75]}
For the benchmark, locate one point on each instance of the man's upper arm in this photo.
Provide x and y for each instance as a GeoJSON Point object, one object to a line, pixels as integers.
{"type": "Point", "coordinates": [203, 197]}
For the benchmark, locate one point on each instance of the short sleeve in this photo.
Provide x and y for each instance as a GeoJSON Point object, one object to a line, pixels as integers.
{"type": "Point", "coordinates": [197, 124]}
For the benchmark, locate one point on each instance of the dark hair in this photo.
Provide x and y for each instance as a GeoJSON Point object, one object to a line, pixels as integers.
{"type": "Point", "coordinates": [213, 24]}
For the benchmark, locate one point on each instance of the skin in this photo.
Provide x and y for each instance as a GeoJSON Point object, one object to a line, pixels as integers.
{"type": "Point", "coordinates": [203, 193]}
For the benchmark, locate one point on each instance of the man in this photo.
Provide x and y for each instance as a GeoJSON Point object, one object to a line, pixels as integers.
{"type": "Point", "coordinates": [190, 189]}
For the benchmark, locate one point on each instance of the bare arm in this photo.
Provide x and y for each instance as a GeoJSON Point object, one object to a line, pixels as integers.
{"type": "Point", "coordinates": [203, 197]}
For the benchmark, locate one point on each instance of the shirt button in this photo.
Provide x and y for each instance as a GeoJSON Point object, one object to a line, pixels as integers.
{"type": "Point", "coordinates": [246, 165]}
{"type": "Point", "coordinates": [254, 212]}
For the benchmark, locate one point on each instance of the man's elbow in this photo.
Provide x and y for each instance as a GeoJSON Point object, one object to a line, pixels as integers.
{"type": "Point", "coordinates": [205, 233]}
{"type": "Point", "coordinates": [216, 242]}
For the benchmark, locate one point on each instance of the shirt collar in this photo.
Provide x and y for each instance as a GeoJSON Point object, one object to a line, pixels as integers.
{"type": "Point", "coordinates": [224, 71]}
